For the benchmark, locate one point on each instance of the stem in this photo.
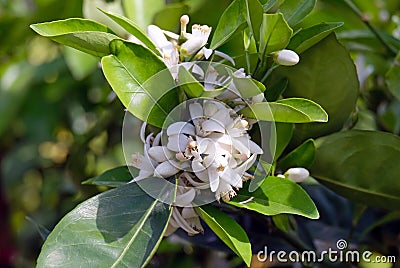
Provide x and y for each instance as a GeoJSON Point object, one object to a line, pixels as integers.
{"type": "Point", "coordinates": [268, 73]}
{"type": "Point", "coordinates": [378, 35]}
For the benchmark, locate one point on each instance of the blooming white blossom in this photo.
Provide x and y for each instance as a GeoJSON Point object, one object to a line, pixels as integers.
{"type": "Point", "coordinates": [286, 57]}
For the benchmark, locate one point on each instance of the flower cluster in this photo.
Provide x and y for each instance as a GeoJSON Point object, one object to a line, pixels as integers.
{"type": "Point", "coordinates": [212, 151]}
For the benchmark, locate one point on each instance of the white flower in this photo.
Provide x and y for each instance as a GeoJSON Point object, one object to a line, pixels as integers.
{"type": "Point", "coordinates": [196, 40]}
{"type": "Point", "coordinates": [286, 57]}
{"type": "Point", "coordinates": [296, 174]}
{"type": "Point", "coordinates": [167, 48]}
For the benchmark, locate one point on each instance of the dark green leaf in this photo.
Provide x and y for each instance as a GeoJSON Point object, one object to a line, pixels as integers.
{"type": "Point", "coordinates": [85, 35]}
{"type": "Point", "coordinates": [393, 78]}
{"type": "Point", "coordinates": [148, 93]}
{"type": "Point", "coordinates": [282, 222]}
{"type": "Point", "coordinates": [274, 92]}
{"type": "Point", "coordinates": [133, 29]}
{"type": "Point", "coordinates": [293, 110]}
{"type": "Point", "coordinates": [275, 33]}
{"type": "Point", "coordinates": [296, 10]}
{"type": "Point", "coordinates": [231, 21]}
{"type": "Point", "coordinates": [114, 177]}
{"type": "Point", "coordinates": [306, 38]}
{"type": "Point", "coordinates": [276, 196]}
{"type": "Point", "coordinates": [118, 228]}
{"type": "Point", "coordinates": [302, 156]}
{"type": "Point", "coordinates": [228, 230]}
{"type": "Point", "coordinates": [316, 77]}
{"type": "Point", "coordinates": [361, 166]}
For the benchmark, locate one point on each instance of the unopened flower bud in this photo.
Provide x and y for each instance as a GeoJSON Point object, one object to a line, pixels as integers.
{"type": "Point", "coordinates": [286, 57]}
{"type": "Point", "coordinates": [184, 23]}
{"type": "Point", "coordinates": [297, 174]}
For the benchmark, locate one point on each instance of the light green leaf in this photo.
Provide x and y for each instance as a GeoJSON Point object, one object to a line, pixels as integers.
{"type": "Point", "coordinates": [85, 35]}
{"type": "Point", "coordinates": [276, 196]}
{"type": "Point", "coordinates": [393, 77]}
{"type": "Point", "coordinates": [232, 20]}
{"type": "Point", "coordinates": [80, 64]}
{"type": "Point", "coordinates": [228, 230]}
{"type": "Point", "coordinates": [302, 156]}
{"type": "Point", "coordinates": [148, 93]}
{"type": "Point", "coordinates": [282, 222]}
{"type": "Point", "coordinates": [141, 12]}
{"type": "Point", "coordinates": [306, 38]}
{"type": "Point", "coordinates": [295, 11]}
{"type": "Point", "coordinates": [189, 84]}
{"type": "Point", "coordinates": [360, 165]}
{"type": "Point", "coordinates": [268, 4]}
{"type": "Point", "coordinates": [275, 34]}
{"type": "Point", "coordinates": [325, 74]}
{"type": "Point", "coordinates": [114, 177]}
{"type": "Point", "coordinates": [292, 110]}
{"type": "Point", "coordinates": [133, 29]}
{"type": "Point", "coordinates": [247, 87]}
{"type": "Point", "coordinates": [118, 228]}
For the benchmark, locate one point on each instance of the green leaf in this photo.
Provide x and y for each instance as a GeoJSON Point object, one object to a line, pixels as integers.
{"type": "Point", "coordinates": [393, 77]}
{"type": "Point", "coordinates": [114, 177]}
{"type": "Point", "coordinates": [360, 165]}
{"type": "Point", "coordinates": [282, 222]}
{"type": "Point", "coordinates": [254, 17]}
{"type": "Point", "coordinates": [133, 29]}
{"type": "Point", "coordinates": [148, 93]}
{"type": "Point", "coordinates": [85, 35]}
{"type": "Point", "coordinates": [189, 84]}
{"type": "Point", "coordinates": [118, 228]}
{"type": "Point", "coordinates": [292, 110]}
{"type": "Point", "coordinates": [302, 156]}
{"type": "Point", "coordinates": [228, 230]}
{"type": "Point", "coordinates": [80, 64]}
{"type": "Point", "coordinates": [276, 196]}
{"type": "Point", "coordinates": [232, 20]}
{"type": "Point", "coordinates": [275, 34]}
{"type": "Point", "coordinates": [141, 12]}
{"type": "Point", "coordinates": [284, 133]}
{"type": "Point", "coordinates": [316, 77]}
{"type": "Point", "coordinates": [306, 38]}
{"type": "Point", "coordinates": [295, 11]}
{"type": "Point", "coordinates": [169, 16]}
{"type": "Point", "coordinates": [247, 87]}
{"type": "Point", "coordinates": [274, 91]}
{"type": "Point", "coordinates": [268, 4]}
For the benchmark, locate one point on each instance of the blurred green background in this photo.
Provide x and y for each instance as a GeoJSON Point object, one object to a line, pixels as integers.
{"type": "Point", "coordinates": [61, 124]}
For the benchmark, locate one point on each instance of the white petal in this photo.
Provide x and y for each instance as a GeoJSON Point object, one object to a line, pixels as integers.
{"type": "Point", "coordinates": [224, 56]}
{"type": "Point", "coordinates": [177, 143]}
{"type": "Point", "coordinates": [160, 153]}
{"type": "Point", "coordinates": [157, 36]}
{"type": "Point", "coordinates": [246, 165]}
{"type": "Point", "coordinates": [188, 212]}
{"type": "Point", "coordinates": [185, 199]}
{"type": "Point", "coordinates": [196, 111]}
{"type": "Point", "coordinates": [180, 128]}
{"type": "Point", "coordinates": [166, 169]}
{"type": "Point", "coordinates": [142, 132]}
{"type": "Point", "coordinates": [254, 148]}
{"type": "Point", "coordinates": [210, 108]}
{"type": "Point", "coordinates": [213, 126]}
{"type": "Point", "coordinates": [183, 223]}
{"type": "Point", "coordinates": [242, 145]}
{"type": "Point", "coordinates": [207, 52]}
{"type": "Point", "coordinates": [191, 46]}
{"type": "Point", "coordinates": [214, 178]}
{"type": "Point", "coordinates": [232, 177]}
